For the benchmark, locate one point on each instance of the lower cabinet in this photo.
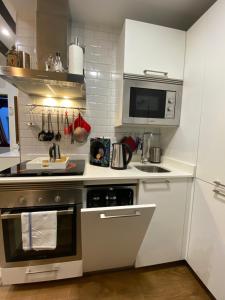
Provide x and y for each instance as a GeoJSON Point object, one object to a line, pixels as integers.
{"type": "Point", "coordinates": [111, 236]}
{"type": "Point", "coordinates": [206, 253]}
{"type": "Point", "coordinates": [38, 273]}
{"type": "Point", "coordinates": [164, 239]}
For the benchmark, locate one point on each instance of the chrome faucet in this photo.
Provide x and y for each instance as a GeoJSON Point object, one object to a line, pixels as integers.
{"type": "Point", "coordinates": [146, 145]}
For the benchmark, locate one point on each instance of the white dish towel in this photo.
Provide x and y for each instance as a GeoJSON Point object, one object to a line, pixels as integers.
{"type": "Point", "coordinates": [39, 230]}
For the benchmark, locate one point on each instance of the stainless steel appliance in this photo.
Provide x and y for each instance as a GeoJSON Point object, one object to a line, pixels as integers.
{"type": "Point", "coordinates": [113, 195]}
{"type": "Point", "coordinates": [23, 60]}
{"type": "Point", "coordinates": [155, 155]}
{"type": "Point", "coordinates": [29, 266]}
{"type": "Point", "coordinates": [121, 156]}
{"type": "Point", "coordinates": [42, 83]}
{"type": "Point", "coordinates": [151, 100]}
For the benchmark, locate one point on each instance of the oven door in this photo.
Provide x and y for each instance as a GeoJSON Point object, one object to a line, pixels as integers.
{"type": "Point", "coordinates": [151, 103]}
{"type": "Point", "coordinates": [68, 237]}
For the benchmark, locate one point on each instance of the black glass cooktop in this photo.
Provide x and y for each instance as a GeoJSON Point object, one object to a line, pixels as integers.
{"type": "Point", "coordinates": [75, 167]}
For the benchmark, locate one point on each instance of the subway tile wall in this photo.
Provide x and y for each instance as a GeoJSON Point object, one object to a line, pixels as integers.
{"type": "Point", "coordinates": [102, 96]}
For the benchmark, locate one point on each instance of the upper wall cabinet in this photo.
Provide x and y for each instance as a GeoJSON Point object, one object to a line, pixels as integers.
{"type": "Point", "coordinates": [147, 49]}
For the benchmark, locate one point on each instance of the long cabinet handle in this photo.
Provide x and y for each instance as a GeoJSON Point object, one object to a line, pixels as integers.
{"type": "Point", "coordinates": [55, 269]}
{"type": "Point", "coordinates": [161, 181]}
{"type": "Point", "coordinates": [136, 214]}
{"type": "Point", "coordinates": [146, 72]}
{"type": "Point", "coordinates": [219, 183]}
{"type": "Point", "coordinates": [219, 192]}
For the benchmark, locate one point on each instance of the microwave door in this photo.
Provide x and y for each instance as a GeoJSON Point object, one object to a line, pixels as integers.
{"type": "Point", "coordinates": [147, 103]}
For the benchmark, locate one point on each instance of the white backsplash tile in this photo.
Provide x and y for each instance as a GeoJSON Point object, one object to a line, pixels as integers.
{"type": "Point", "coordinates": [102, 93]}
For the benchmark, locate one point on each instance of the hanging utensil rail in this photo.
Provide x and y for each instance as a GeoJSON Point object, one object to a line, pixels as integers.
{"type": "Point", "coordinates": [33, 106]}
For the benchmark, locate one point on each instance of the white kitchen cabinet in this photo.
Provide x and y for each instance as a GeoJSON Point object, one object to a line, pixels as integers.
{"type": "Point", "coordinates": [211, 158]}
{"type": "Point", "coordinates": [163, 241]}
{"type": "Point", "coordinates": [111, 236]}
{"type": "Point", "coordinates": [206, 254]}
{"type": "Point", "coordinates": [145, 46]}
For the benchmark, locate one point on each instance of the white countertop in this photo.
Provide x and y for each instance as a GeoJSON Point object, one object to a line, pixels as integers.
{"type": "Point", "coordinates": [177, 169]}
{"type": "Point", "coordinates": [10, 154]}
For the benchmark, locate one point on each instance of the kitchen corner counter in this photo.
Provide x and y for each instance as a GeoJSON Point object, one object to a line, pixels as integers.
{"type": "Point", "coordinates": [177, 169]}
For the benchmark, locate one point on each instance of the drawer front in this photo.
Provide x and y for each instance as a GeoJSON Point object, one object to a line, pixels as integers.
{"type": "Point", "coordinates": [40, 273]}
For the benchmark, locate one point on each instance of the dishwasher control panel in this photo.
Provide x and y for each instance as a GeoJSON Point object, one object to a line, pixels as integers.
{"type": "Point", "coordinates": [105, 196]}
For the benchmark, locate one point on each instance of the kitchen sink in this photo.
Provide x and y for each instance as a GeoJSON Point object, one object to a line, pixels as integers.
{"type": "Point", "coordinates": [152, 169]}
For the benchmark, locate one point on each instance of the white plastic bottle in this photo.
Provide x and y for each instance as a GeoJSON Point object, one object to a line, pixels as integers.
{"type": "Point", "coordinates": [76, 58]}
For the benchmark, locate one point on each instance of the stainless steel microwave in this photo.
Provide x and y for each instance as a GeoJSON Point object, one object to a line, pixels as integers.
{"type": "Point", "coordinates": [151, 100]}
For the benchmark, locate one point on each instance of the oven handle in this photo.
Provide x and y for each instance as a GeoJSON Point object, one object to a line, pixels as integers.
{"type": "Point", "coordinates": [6, 216]}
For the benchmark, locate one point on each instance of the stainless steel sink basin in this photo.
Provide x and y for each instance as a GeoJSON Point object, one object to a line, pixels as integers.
{"type": "Point", "coordinates": [152, 169]}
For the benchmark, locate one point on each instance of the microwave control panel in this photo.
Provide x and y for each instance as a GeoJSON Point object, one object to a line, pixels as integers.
{"type": "Point", "coordinates": [170, 105]}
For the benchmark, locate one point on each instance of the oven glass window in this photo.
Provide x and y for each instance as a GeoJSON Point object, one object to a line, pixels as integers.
{"type": "Point", "coordinates": [66, 237]}
{"type": "Point", "coordinates": [147, 103]}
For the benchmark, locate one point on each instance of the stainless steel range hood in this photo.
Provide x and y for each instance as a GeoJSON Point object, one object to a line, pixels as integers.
{"type": "Point", "coordinates": [45, 84]}
{"type": "Point", "coordinates": [52, 31]}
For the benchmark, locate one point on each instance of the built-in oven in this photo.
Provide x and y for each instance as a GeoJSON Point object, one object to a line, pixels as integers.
{"type": "Point", "coordinates": [15, 199]}
{"type": "Point", "coordinates": [151, 100]}
{"type": "Point", "coordinates": [66, 234]}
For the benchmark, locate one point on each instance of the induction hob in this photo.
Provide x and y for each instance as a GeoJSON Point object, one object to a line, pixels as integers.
{"type": "Point", "coordinates": [74, 168]}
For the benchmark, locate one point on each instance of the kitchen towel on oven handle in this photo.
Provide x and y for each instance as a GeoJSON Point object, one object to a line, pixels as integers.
{"type": "Point", "coordinates": [39, 230]}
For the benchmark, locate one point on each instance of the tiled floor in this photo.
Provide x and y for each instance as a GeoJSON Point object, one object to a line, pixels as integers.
{"type": "Point", "coordinates": [166, 283]}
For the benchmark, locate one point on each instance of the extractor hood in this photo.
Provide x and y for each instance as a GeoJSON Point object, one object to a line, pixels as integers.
{"type": "Point", "coordinates": [52, 23]}
{"type": "Point", "coordinates": [45, 84]}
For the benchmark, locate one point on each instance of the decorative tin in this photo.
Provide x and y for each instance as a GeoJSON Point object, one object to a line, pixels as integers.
{"type": "Point", "coordinates": [100, 152]}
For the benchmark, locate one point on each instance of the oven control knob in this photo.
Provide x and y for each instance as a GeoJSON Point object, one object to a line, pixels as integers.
{"type": "Point", "coordinates": [170, 101]}
{"type": "Point", "coordinates": [57, 199]}
{"type": "Point", "coordinates": [169, 109]}
{"type": "Point", "coordinates": [22, 200]}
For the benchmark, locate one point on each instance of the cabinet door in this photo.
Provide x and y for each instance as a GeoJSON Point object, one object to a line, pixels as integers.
{"type": "Point", "coordinates": [111, 237]}
{"type": "Point", "coordinates": [206, 253]}
{"type": "Point", "coordinates": [211, 158]}
{"type": "Point", "coordinates": [164, 237]}
{"type": "Point", "coordinates": [153, 47]}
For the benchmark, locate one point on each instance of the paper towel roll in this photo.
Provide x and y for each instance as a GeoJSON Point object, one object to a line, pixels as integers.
{"type": "Point", "coordinates": [76, 59]}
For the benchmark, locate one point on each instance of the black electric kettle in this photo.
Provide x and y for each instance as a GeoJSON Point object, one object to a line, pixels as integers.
{"type": "Point", "coordinates": [121, 156]}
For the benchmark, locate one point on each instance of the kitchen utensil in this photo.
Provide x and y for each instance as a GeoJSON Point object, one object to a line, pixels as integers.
{"type": "Point", "coordinates": [72, 130]}
{"type": "Point", "coordinates": [100, 152]}
{"type": "Point", "coordinates": [66, 124]}
{"type": "Point", "coordinates": [80, 121]}
{"type": "Point", "coordinates": [50, 134]}
{"type": "Point", "coordinates": [155, 155]}
{"type": "Point", "coordinates": [54, 152]}
{"type": "Point", "coordinates": [58, 134]}
{"type": "Point", "coordinates": [80, 134]}
{"type": "Point", "coordinates": [119, 156]}
{"type": "Point", "coordinates": [129, 141]}
{"type": "Point", "coordinates": [42, 134]}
